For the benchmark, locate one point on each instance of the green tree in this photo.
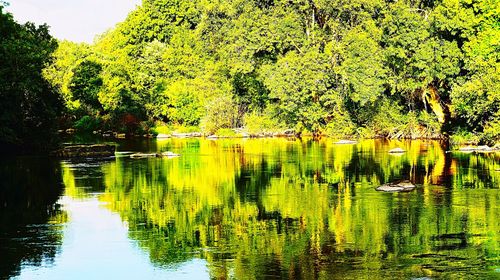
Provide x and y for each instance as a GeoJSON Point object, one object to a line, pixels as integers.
{"type": "Point", "coordinates": [86, 84]}
{"type": "Point", "coordinates": [422, 65]}
{"type": "Point", "coordinates": [301, 86]}
{"type": "Point", "coordinates": [476, 98]}
{"type": "Point", "coordinates": [29, 106]}
{"type": "Point", "coordinates": [60, 72]}
{"type": "Point", "coordinates": [316, 65]}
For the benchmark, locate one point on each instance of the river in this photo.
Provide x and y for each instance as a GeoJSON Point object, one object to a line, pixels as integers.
{"type": "Point", "coordinates": [252, 209]}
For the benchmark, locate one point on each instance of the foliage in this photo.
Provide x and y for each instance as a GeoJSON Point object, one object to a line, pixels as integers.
{"type": "Point", "coordinates": [186, 129]}
{"type": "Point", "coordinates": [341, 124]}
{"type": "Point", "coordinates": [257, 123]}
{"type": "Point", "coordinates": [371, 68]}
{"type": "Point", "coordinates": [476, 98]}
{"type": "Point", "coordinates": [463, 137]}
{"type": "Point", "coordinates": [29, 106]}
{"type": "Point", "coordinates": [225, 132]}
{"type": "Point", "coordinates": [60, 72]}
{"type": "Point", "coordinates": [87, 124]}
{"type": "Point", "coordinates": [362, 66]}
{"type": "Point", "coordinates": [301, 85]}
{"type": "Point", "coordinates": [184, 104]}
{"type": "Point", "coordinates": [491, 134]}
{"type": "Point", "coordinates": [86, 83]}
{"type": "Point", "coordinates": [162, 129]}
{"type": "Point", "coordinates": [221, 112]}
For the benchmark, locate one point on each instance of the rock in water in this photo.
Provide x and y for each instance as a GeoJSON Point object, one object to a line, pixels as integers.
{"type": "Point", "coordinates": [187, 135]}
{"type": "Point", "coordinates": [344, 142]}
{"type": "Point", "coordinates": [143, 155]}
{"type": "Point", "coordinates": [390, 188]}
{"type": "Point", "coordinates": [478, 149]}
{"type": "Point", "coordinates": [406, 185]}
{"type": "Point", "coordinates": [403, 186]}
{"type": "Point", "coordinates": [99, 150]}
{"type": "Point", "coordinates": [169, 154]}
{"type": "Point", "coordinates": [397, 151]}
{"type": "Point", "coordinates": [152, 155]}
{"type": "Point", "coordinates": [163, 136]}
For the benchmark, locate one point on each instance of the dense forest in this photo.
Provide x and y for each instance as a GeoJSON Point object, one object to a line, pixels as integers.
{"type": "Point", "coordinates": [361, 68]}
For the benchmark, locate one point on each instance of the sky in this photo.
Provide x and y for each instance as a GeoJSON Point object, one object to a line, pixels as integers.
{"type": "Point", "coordinates": [74, 20]}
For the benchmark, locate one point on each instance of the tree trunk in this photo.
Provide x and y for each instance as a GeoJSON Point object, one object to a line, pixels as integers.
{"type": "Point", "coordinates": [431, 97]}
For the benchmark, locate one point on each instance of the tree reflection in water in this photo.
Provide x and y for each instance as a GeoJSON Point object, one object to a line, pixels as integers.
{"type": "Point", "coordinates": [30, 218]}
{"type": "Point", "coordinates": [304, 209]}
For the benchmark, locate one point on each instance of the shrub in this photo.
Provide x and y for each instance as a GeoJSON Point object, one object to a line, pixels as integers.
{"type": "Point", "coordinates": [341, 125]}
{"type": "Point", "coordinates": [221, 112]}
{"type": "Point", "coordinates": [226, 132]}
{"type": "Point", "coordinates": [169, 129]}
{"type": "Point", "coordinates": [145, 127]}
{"type": "Point", "coordinates": [87, 124]}
{"type": "Point", "coordinates": [162, 129]}
{"type": "Point", "coordinates": [491, 133]}
{"type": "Point", "coordinates": [185, 106]}
{"type": "Point", "coordinates": [463, 137]}
{"type": "Point", "coordinates": [186, 128]}
{"type": "Point", "coordinates": [389, 120]}
{"type": "Point", "coordinates": [256, 123]}
{"type": "Point", "coordinates": [430, 124]}
{"type": "Point", "coordinates": [128, 123]}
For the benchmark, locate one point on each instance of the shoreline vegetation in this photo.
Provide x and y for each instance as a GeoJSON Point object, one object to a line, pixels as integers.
{"type": "Point", "coordinates": [340, 69]}
{"type": "Point", "coordinates": [241, 133]}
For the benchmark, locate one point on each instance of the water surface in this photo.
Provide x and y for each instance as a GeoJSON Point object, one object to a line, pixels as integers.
{"type": "Point", "coordinates": [253, 209]}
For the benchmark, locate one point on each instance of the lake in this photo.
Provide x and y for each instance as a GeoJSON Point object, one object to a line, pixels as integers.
{"type": "Point", "coordinates": [252, 209]}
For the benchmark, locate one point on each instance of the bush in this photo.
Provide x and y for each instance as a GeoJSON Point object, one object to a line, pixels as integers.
{"type": "Point", "coordinates": [389, 120]}
{"type": "Point", "coordinates": [145, 127]}
{"type": "Point", "coordinates": [463, 137]}
{"type": "Point", "coordinates": [129, 123]}
{"type": "Point", "coordinates": [185, 106]}
{"type": "Point", "coordinates": [169, 129]}
{"type": "Point", "coordinates": [162, 129]}
{"type": "Point", "coordinates": [431, 125]}
{"type": "Point", "coordinates": [226, 132]}
{"type": "Point", "coordinates": [491, 133]}
{"type": "Point", "coordinates": [221, 113]}
{"type": "Point", "coordinates": [186, 129]}
{"type": "Point", "coordinates": [341, 125]}
{"type": "Point", "coordinates": [256, 123]}
{"type": "Point", "coordinates": [87, 124]}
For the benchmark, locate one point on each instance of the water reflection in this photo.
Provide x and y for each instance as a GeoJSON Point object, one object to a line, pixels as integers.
{"type": "Point", "coordinates": [305, 209]}
{"type": "Point", "coordinates": [96, 246]}
{"type": "Point", "coordinates": [258, 208]}
{"type": "Point", "coordinates": [30, 218]}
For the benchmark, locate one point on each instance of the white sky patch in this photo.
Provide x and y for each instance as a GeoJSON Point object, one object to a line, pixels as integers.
{"type": "Point", "coordinates": [74, 20]}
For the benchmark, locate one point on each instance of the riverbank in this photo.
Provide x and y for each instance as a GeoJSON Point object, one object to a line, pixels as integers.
{"type": "Point", "coordinates": [162, 133]}
{"type": "Point", "coordinates": [240, 133]}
